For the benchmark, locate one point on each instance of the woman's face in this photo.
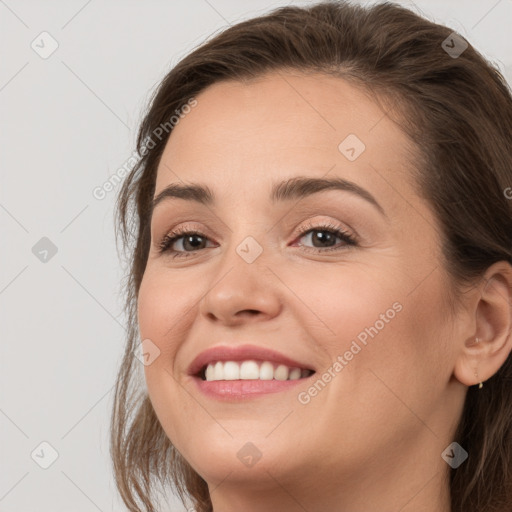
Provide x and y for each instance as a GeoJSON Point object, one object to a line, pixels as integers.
{"type": "Point", "coordinates": [268, 271]}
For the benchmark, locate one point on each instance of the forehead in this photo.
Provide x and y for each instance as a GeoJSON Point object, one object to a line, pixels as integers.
{"type": "Point", "coordinates": [244, 135]}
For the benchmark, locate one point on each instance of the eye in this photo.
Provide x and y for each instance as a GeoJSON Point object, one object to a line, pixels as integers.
{"type": "Point", "coordinates": [325, 234]}
{"type": "Point", "coordinates": [190, 238]}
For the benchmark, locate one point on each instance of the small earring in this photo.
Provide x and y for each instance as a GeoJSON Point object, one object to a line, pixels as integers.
{"type": "Point", "coordinates": [480, 385]}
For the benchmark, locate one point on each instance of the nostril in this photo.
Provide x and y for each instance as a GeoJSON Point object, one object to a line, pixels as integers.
{"type": "Point", "coordinates": [250, 312]}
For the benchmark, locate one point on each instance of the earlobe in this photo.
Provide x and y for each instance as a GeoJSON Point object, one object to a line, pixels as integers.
{"type": "Point", "coordinates": [482, 355]}
{"type": "Point", "coordinates": [467, 365]}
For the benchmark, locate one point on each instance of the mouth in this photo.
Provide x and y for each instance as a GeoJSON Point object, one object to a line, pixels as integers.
{"type": "Point", "coordinates": [251, 370]}
{"type": "Point", "coordinates": [238, 372]}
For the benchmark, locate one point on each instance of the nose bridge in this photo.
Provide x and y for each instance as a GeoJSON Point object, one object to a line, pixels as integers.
{"type": "Point", "coordinates": [249, 229]}
{"type": "Point", "coordinates": [248, 233]}
{"type": "Point", "coordinates": [246, 255]}
{"type": "Point", "coordinates": [242, 281]}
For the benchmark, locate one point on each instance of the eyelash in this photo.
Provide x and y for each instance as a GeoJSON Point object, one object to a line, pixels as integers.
{"type": "Point", "coordinates": [169, 239]}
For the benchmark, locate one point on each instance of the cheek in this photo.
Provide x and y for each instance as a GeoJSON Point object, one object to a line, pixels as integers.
{"type": "Point", "coordinates": [339, 305]}
{"type": "Point", "coordinates": [162, 324]}
{"type": "Point", "coordinates": [370, 319]}
{"type": "Point", "coordinates": [407, 361]}
{"type": "Point", "coordinates": [160, 307]}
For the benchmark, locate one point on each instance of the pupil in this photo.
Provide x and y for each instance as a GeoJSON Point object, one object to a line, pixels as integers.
{"type": "Point", "coordinates": [322, 238]}
{"type": "Point", "coordinates": [190, 239]}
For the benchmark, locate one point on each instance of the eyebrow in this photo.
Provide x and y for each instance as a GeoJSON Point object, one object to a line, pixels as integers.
{"type": "Point", "coordinates": [294, 188]}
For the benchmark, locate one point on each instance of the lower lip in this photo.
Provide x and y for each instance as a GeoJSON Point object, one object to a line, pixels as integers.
{"type": "Point", "coordinates": [240, 389]}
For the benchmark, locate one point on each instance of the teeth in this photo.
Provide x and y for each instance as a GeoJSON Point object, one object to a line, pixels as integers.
{"type": "Point", "coordinates": [251, 370]}
{"type": "Point", "coordinates": [231, 371]}
{"type": "Point", "coordinates": [218, 372]}
{"type": "Point", "coordinates": [281, 372]}
{"type": "Point", "coordinates": [295, 374]}
{"type": "Point", "coordinates": [248, 369]}
{"type": "Point", "coordinates": [266, 371]}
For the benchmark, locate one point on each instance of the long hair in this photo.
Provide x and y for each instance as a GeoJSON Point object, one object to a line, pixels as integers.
{"type": "Point", "coordinates": [454, 105]}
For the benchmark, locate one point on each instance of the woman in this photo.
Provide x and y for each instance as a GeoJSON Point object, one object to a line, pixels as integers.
{"type": "Point", "coordinates": [320, 241]}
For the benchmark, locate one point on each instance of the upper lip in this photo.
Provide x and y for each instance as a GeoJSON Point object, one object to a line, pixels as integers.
{"type": "Point", "coordinates": [241, 353]}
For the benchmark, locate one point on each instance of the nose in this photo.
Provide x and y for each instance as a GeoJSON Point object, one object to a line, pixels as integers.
{"type": "Point", "coordinates": [243, 292]}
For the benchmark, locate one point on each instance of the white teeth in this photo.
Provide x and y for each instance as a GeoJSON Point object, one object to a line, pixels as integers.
{"type": "Point", "coordinates": [281, 372]}
{"type": "Point", "coordinates": [266, 371]}
{"type": "Point", "coordinates": [231, 371]}
{"type": "Point", "coordinates": [251, 370]}
{"type": "Point", "coordinates": [219, 371]}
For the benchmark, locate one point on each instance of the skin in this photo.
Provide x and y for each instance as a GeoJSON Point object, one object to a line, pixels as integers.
{"type": "Point", "coordinates": [372, 438]}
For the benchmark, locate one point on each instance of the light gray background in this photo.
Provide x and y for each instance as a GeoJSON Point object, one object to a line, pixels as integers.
{"type": "Point", "coordinates": [69, 122]}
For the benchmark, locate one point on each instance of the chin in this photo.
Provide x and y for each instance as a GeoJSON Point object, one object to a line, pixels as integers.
{"type": "Point", "coordinates": [241, 456]}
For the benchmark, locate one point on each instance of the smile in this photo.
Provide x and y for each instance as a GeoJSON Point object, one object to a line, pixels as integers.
{"type": "Point", "coordinates": [252, 370]}
{"type": "Point", "coordinates": [232, 373]}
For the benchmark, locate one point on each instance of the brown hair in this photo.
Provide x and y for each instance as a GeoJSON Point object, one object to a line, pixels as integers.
{"type": "Point", "coordinates": [457, 110]}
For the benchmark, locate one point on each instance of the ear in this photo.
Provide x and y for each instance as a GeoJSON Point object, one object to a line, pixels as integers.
{"type": "Point", "coordinates": [492, 314]}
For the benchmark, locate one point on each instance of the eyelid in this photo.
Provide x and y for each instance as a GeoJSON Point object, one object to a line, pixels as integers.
{"type": "Point", "coordinates": [324, 223]}
{"type": "Point", "coordinates": [183, 226]}
{"type": "Point", "coordinates": [179, 231]}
